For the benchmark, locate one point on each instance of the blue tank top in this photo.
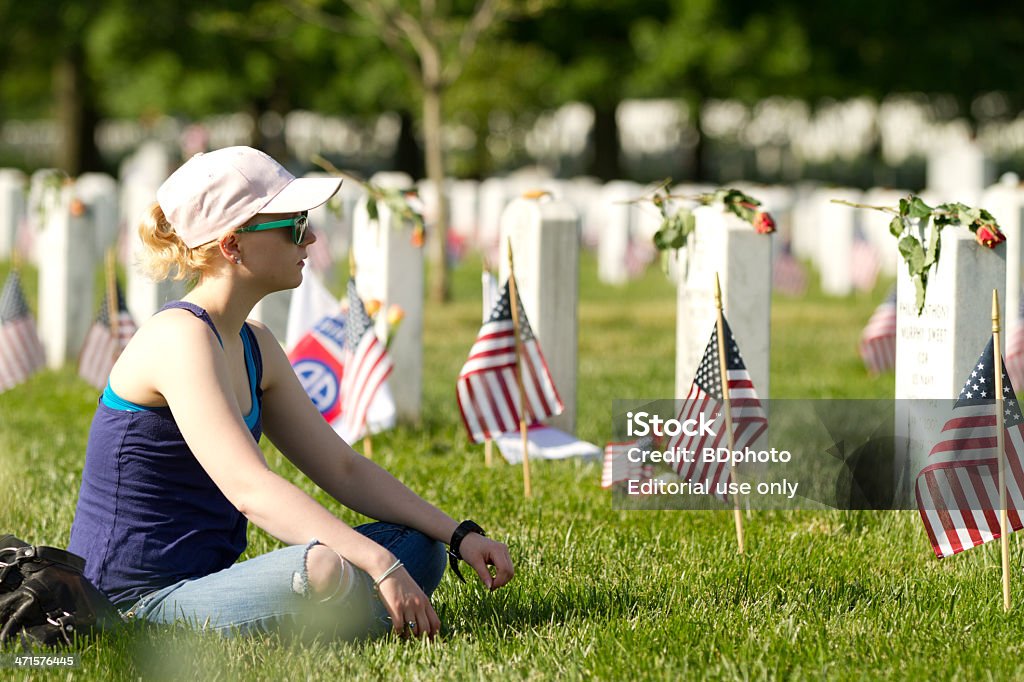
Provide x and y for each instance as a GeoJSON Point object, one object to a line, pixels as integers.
{"type": "Point", "coordinates": [148, 515]}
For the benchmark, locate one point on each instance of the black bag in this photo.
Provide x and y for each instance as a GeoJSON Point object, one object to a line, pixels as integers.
{"type": "Point", "coordinates": [44, 595]}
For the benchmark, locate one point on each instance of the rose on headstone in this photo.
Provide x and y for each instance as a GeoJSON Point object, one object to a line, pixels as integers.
{"type": "Point", "coordinates": [911, 222]}
{"type": "Point", "coordinates": [405, 203]}
{"type": "Point", "coordinates": [678, 222]}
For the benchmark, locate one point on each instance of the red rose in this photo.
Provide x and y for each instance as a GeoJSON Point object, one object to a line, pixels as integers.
{"type": "Point", "coordinates": [989, 235]}
{"type": "Point", "coordinates": [763, 223]}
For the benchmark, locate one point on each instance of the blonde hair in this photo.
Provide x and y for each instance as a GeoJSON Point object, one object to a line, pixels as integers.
{"type": "Point", "coordinates": [164, 252]}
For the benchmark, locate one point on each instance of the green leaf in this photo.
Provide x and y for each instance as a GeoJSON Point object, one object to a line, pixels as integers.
{"type": "Point", "coordinates": [896, 227]}
{"type": "Point", "coordinates": [919, 287]}
{"type": "Point", "coordinates": [688, 221]}
{"type": "Point", "coordinates": [934, 239]}
{"type": "Point", "coordinates": [371, 208]}
{"type": "Point", "coordinates": [917, 208]}
{"type": "Point", "coordinates": [913, 254]}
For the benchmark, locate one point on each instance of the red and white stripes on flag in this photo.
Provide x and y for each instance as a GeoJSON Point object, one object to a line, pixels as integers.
{"type": "Point", "coordinates": [21, 353]}
{"type": "Point", "coordinates": [487, 390]}
{"type": "Point", "coordinates": [878, 339]}
{"type": "Point", "coordinates": [617, 466]}
{"type": "Point", "coordinates": [706, 397]}
{"type": "Point", "coordinates": [367, 366]}
{"type": "Point", "coordinates": [958, 488]}
{"type": "Point", "coordinates": [102, 345]}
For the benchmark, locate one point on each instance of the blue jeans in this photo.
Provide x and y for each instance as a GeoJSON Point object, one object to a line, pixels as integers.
{"type": "Point", "coordinates": [270, 593]}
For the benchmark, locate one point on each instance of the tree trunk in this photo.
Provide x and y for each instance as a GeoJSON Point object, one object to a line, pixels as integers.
{"type": "Point", "coordinates": [605, 162]}
{"type": "Point", "coordinates": [439, 285]}
{"type": "Point", "coordinates": [700, 150]}
{"type": "Point", "coordinates": [408, 155]}
{"type": "Point", "coordinates": [76, 115]}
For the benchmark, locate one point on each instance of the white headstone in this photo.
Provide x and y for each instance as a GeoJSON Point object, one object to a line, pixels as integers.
{"type": "Point", "coordinates": [45, 190]}
{"type": "Point", "coordinates": [99, 192]}
{"type": "Point", "coordinates": [66, 280]}
{"type": "Point", "coordinates": [837, 225]}
{"type": "Point", "coordinates": [389, 268]}
{"type": "Point", "coordinates": [616, 218]}
{"type": "Point", "coordinates": [876, 226]}
{"type": "Point", "coordinates": [959, 171]}
{"type": "Point", "coordinates": [805, 227]}
{"type": "Point", "coordinates": [495, 194]}
{"type": "Point", "coordinates": [13, 187]}
{"type": "Point", "coordinates": [141, 175]}
{"type": "Point", "coordinates": [1006, 204]}
{"type": "Point", "coordinates": [463, 215]}
{"type": "Point", "coordinates": [936, 351]}
{"type": "Point", "coordinates": [723, 243]}
{"type": "Point", "coordinates": [545, 236]}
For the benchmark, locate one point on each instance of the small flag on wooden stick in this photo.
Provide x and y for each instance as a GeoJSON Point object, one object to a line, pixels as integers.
{"type": "Point", "coordinates": [971, 489]}
{"type": "Point", "coordinates": [21, 353]}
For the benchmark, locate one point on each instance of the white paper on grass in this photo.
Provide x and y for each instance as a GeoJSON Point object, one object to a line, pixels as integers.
{"type": "Point", "coordinates": [545, 442]}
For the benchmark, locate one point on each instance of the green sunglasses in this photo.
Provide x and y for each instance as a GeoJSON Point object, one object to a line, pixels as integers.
{"type": "Point", "coordinates": [298, 224]}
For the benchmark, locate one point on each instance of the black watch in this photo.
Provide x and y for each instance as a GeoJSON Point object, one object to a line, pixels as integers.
{"type": "Point", "coordinates": [461, 531]}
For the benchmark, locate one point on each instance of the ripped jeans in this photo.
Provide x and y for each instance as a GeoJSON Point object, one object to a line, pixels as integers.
{"type": "Point", "coordinates": [270, 593]}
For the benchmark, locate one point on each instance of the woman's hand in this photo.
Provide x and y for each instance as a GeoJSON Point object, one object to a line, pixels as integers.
{"type": "Point", "coordinates": [406, 603]}
{"type": "Point", "coordinates": [481, 553]}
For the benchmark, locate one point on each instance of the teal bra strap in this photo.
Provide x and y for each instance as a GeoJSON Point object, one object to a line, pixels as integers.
{"type": "Point", "coordinates": [116, 402]}
{"type": "Point", "coordinates": [250, 368]}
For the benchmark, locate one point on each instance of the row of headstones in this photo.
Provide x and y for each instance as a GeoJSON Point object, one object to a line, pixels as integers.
{"type": "Point", "coordinates": [934, 351]}
{"type": "Point", "coordinates": [613, 223]}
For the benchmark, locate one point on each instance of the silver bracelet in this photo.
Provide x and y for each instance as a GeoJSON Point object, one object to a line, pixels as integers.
{"type": "Point", "coordinates": [394, 567]}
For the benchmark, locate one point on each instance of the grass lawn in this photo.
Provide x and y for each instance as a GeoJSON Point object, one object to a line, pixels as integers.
{"type": "Point", "coordinates": [599, 594]}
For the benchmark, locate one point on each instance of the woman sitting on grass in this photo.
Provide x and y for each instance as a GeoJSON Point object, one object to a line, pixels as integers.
{"type": "Point", "coordinates": [173, 471]}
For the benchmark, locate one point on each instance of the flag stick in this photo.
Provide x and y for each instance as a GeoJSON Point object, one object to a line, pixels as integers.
{"type": "Point", "coordinates": [488, 452]}
{"type": "Point", "coordinates": [113, 309]}
{"type": "Point", "coordinates": [514, 303]}
{"type": "Point", "coordinates": [367, 440]}
{"type": "Point", "coordinates": [1004, 528]}
{"type": "Point", "coordinates": [723, 368]}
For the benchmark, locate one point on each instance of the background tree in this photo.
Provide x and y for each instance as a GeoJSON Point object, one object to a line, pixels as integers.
{"type": "Point", "coordinates": [718, 48]}
{"type": "Point", "coordinates": [590, 42]}
{"type": "Point", "coordinates": [433, 40]}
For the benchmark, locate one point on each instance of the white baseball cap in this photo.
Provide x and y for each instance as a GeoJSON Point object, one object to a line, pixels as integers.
{"type": "Point", "coordinates": [217, 191]}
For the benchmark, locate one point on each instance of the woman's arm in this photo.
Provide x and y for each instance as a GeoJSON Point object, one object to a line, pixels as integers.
{"type": "Point", "coordinates": [192, 377]}
{"type": "Point", "coordinates": [297, 428]}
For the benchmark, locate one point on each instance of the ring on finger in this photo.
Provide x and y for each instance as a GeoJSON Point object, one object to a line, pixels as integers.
{"type": "Point", "coordinates": [411, 624]}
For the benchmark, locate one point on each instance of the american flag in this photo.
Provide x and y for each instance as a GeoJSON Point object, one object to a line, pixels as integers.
{"type": "Point", "coordinates": [617, 467]}
{"type": "Point", "coordinates": [878, 339]}
{"type": "Point", "coordinates": [706, 397]}
{"type": "Point", "coordinates": [487, 390]}
{"type": "Point", "coordinates": [958, 489]}
{"type": "Point", "coordinates": [103, 344]}
{"type": "Point", "coordinates": [1015, 349]}
{"type": "Point", "coordinates": [367, 365]}
{"type": "Point", "coordinates": [21, 354]}
{"type": "Point", "coordinates": [864, 264]}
